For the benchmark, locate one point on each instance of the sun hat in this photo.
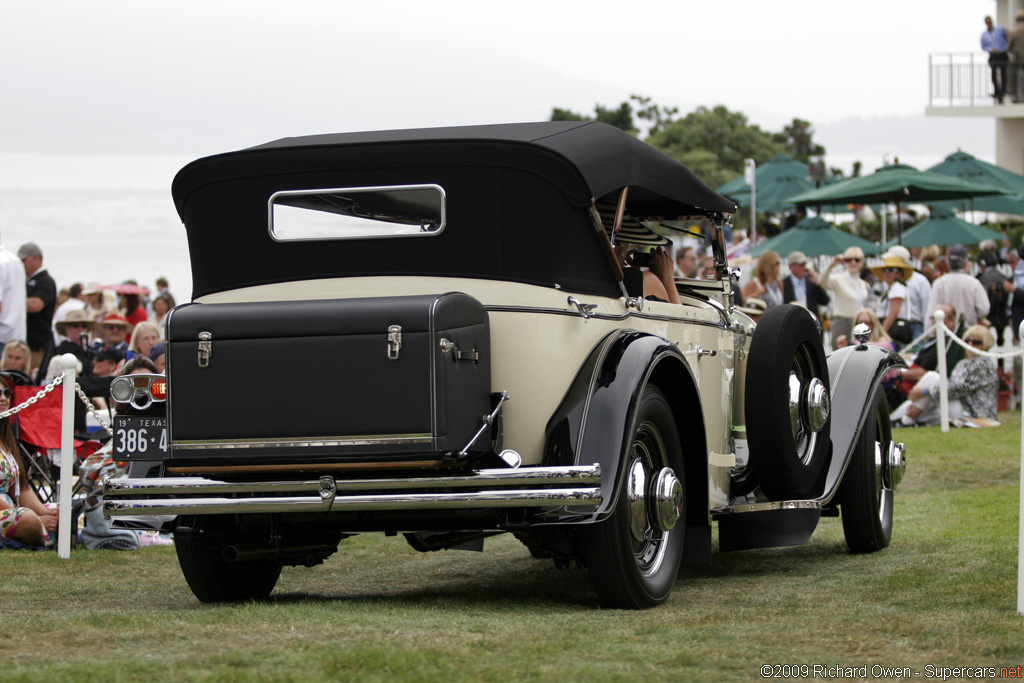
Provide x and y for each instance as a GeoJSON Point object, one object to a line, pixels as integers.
{"type": "Point", "coordinates": [893, 262]}
{"type": "Point", "coordinates": [900, 251]}
{"type": "Point", "coordinates": [79, 316]}
{"type": "Point", "coordinates": [853, 252]}
{"type": "Point", "coordinates": [114, 319]}
{"type": "Point", "coordinates": [753, 307]}
{"type": "Point", "coordinates": [631, 230]}
{"type": "Point", "coordinates": [93, 288]}
{"type": "Point", "coordinates": [797, 258]}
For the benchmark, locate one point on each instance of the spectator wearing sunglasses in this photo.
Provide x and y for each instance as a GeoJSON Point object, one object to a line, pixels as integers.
{"type": "Point", "coordinates": [113, 332]}
{"type": "Point", "coordinates": [894, 308]}
{"type": "Point", "coordinates": [849, 291]}
{"type": "Point", "coordinates": [973, 387]}
{"type": "Point", "coordinates": [74, 331]}
{"type": "Point", "coordinates": [919, 288]}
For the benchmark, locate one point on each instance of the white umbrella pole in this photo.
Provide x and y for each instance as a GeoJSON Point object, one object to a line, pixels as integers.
{"type": "Point", "coordinates": [750, 176]}
{"type": "Point", "coordinates": [883, 226]}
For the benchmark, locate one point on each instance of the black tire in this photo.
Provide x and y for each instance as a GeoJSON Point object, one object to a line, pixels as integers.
{"type": "Point", "coordinates": [865, 497]}
{"type": "Point", "coordinates": [214, 579]}
{"type": "Point", "coordinates": [631, 572]}
{"type": "Point", "coordinates": [787, 455]}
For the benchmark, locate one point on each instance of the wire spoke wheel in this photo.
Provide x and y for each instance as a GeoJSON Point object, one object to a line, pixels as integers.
{"type": "Point", "coordinates": [787, 404]}
{"type": "Point", "coordinates": [633, 556]}
{"type": "Point", "coordinates": [867, 492]}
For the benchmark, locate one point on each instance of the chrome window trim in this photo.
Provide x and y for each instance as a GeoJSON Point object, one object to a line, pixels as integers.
{"type": "Point", "coordinates": [369, 188]}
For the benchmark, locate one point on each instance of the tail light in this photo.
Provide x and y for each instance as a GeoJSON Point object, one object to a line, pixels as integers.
{"type": "Point", "coordinates": [139, 390]}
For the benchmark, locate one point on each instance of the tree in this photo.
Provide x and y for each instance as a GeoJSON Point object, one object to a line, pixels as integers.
{"type": "Point", "coordinates": [620, 118]}
{"type": "Point", "coordinates": [714, 143]}
{"type": "Point", "coordinates": [656, 115]}
{"type": "Point", "coordinates": [797, 141]}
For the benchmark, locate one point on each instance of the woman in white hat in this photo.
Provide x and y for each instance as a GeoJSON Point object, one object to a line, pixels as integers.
{"type": "Point", "coordinates": [893, 308]}
{"type": "Point", "coordinates": [849, 290]}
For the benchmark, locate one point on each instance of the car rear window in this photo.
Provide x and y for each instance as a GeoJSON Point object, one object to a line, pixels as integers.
{"type": "Point", "coordinates": [357, 213]}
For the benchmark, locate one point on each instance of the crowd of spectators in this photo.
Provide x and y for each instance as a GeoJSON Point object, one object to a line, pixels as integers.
{"type": "Point", "coordinates": [109, 330]}
{"type": "Point", "coordinates": [895, 294]}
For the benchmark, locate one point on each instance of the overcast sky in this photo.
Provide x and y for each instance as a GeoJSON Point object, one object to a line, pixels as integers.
{"type": "Point", "coordinates": [193, 77]}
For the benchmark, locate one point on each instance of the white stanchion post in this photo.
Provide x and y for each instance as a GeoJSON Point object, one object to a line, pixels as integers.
{"type": "Point", "coordinates": [750, 177]}
{"type": "Point", "coordinates": [940, 346]}
{"type": "Point", "coordinates": [67, 454]}
{"type": "Point", "coordinates": [1020, 517]}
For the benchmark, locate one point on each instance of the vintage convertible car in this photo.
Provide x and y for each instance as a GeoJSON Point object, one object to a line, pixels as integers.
{"type": "Point", "coordinates": [433, 333]}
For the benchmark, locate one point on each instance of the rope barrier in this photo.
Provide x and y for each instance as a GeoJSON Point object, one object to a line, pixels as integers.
{"type": "Point", "coordinates": [950, 333]}
{"type": "Point", "coordinates": [980, 352]}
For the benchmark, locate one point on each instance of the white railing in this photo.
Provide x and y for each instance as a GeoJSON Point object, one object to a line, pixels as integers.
{"type": "Point", "coordinates": [963, 79]}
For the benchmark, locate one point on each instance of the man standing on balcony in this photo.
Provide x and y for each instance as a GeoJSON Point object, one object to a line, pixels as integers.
{"type": "Point", "coordinates": [993, 41]}
{"type": "Point", "coordinates": [1015, 46]}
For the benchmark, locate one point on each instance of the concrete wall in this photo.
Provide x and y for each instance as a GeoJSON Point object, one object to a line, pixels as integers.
{"type": "Point", "coordinates": [1010, 144]}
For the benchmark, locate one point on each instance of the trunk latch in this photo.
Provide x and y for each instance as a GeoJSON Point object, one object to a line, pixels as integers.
{"type": "Point", "coordinates": [394, 341]}
{"type": "Point", "coordinates": [205, 348]}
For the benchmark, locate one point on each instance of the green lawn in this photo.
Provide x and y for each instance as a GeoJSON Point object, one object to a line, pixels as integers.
{"type": "Point", "coordinates": [944, 594]}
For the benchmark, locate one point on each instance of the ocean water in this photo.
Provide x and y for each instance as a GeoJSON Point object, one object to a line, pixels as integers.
{"type": "Point", "coordinates": [97, 219]}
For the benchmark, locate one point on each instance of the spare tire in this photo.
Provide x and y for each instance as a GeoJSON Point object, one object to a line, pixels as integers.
{"type": "Point", "coordinates": [787, 403]}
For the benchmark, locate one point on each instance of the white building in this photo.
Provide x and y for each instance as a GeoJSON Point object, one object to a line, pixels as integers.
{"type": "Point", "coordinates": [960, 84]}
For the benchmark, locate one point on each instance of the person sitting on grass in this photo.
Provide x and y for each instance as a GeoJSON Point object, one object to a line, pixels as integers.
{"type": "Point", "coordinates": [23, 517]}
{"type": "Point", "coordinates": [973, 387]}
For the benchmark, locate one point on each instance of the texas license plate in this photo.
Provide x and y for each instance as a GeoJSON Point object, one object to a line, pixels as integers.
{"type": "Point", "coordinates": [139, 438]}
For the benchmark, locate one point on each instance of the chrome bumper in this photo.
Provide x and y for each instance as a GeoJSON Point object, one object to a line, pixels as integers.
{"type": "Point", "coordinates": [534, 487]}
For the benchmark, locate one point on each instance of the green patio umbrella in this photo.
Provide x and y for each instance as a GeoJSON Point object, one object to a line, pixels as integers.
{"type": "Point", "coordinates": [1013, 204]}
{"type": "Point", "coordinates": [944, 228]}
{"type": "Point", "coordinates": [966, 167]}
{"type": "Point", "coordinates": [778, 179]}
{"type": "Point", "coordinates": [972, 169]}
{"type": "Point", "coordinates": [814, 236]}
{"type": "Point", "coordinates": [897, 184]}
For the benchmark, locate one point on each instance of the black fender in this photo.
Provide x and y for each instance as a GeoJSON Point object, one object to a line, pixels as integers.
{"type": "Point", "coordinates": [854, 372]}
{"type": "Point", "coordinates": [594, 421]}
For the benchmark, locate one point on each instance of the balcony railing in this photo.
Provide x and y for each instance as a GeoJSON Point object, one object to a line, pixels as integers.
{"type": "Point", "coordinates": [963, 79]}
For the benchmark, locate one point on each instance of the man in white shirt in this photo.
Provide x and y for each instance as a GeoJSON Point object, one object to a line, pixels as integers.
{"type": "Point", "coordinates": [13, 296]}
{"type": "Point", "coordinates": [965, 293]}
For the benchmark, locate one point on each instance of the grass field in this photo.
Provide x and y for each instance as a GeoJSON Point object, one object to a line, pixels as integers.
{"type": "Point", "coordinates": [943, 595]}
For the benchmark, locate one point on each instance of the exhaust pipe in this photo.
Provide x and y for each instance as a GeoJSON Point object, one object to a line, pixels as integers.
{"type": "Point", "coordinates": [245, 553]}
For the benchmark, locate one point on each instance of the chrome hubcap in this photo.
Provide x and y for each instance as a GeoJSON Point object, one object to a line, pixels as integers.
{"type": "Point", "coordinates": [666, 499]}
{"type": "Point", "coordinates": [809, 405]}
{"type": "Point", "coordinates": [654, 499]}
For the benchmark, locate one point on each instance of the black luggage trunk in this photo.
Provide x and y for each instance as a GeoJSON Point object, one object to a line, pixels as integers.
{"type": "Point", "coordinates": [385, 377]}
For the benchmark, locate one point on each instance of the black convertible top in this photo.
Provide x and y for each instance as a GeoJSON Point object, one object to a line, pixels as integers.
{"type": "Point", "coordinates": [507, 185]}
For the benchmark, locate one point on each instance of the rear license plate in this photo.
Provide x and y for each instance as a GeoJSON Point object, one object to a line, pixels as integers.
{"type": "Point", "coordinates": [140, 438]}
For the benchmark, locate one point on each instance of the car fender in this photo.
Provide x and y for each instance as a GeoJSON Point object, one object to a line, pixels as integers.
{"type": "Point", "coordinates": [594, 421]}
{"type": "Point", "coordinates": [854, 372]}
